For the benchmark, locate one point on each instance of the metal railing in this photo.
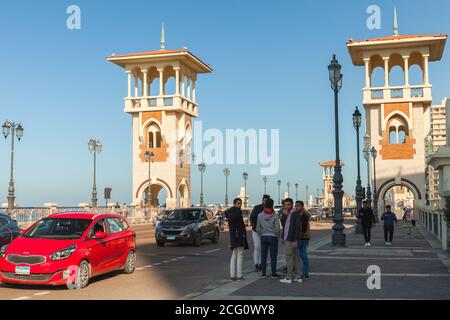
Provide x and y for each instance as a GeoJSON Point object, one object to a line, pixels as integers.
{"type": "Point", "coordinates": [435, 222]}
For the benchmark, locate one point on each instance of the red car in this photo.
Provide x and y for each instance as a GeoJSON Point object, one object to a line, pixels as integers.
{"type": "Point", "coordinates": [69, 248]}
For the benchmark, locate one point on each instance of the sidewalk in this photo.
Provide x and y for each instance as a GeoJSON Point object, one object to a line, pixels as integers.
{"type": "Point", "coordinates": [413, 268]}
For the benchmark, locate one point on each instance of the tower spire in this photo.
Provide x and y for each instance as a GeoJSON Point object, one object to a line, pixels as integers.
{"type": "Point", "coordinates": [162, 37]}
{"type": "Point", "coordinates": [395, 22]}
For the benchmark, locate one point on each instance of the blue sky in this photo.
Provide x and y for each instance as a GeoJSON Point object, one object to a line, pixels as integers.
{"type": "Point", "coordinates": [270, 71]}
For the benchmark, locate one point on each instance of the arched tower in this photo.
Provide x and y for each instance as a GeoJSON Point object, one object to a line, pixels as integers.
{"type": "Point", "coordinates": [161, 99]}
{"type": "Point", "coordinates": [397, 117]}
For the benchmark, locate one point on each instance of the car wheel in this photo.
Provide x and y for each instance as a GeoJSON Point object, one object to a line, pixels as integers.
{"type": "Point", "coordinates": [197, 240]}
{"type": "Point", "coordinates": [215, 239]}
{"type": "Point", "coordinates": [160, 243]}
{"type": "Point", "coordinates": [83, 275]}
{"type": "Point", "coordinates": [130, 263]}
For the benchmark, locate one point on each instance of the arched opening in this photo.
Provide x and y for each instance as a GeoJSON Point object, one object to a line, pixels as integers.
{"type": "Point", "coordinates": [396, 70]}
{"type": "Point", "coordinates": [398, 129]}
{"type": "Point", "coordinates": [376, 71]}
{"type": "Point", "coordinates": [401, 135]}
{"type": "Point", "coordinates": [153, 78]}
{"type": "Point", "coordinates": [154, 139]}
{"type": "Point", "coordinates": [416, 76]}
{"type": "Point", "coordinates": [169, 80]}
{"type": "Point", "coordinates": [182, 195]}
{"type": "Point", "coordinates": [392, 135]}
{"type": "Point", "coordinates": [136, 83]}
{"type": "Point", "coordinates": [399, 198]}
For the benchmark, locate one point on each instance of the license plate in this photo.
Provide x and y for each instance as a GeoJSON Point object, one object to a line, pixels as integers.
{"type": "Point", "coordinates": [170, 237]}
{"type": "Point", "coordinates": [23, 270]}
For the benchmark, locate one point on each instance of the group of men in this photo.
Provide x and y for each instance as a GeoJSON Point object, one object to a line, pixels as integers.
{"type": "Point", "coordinates": [290, 226]}
{"type": "Point", "coordinates": [368, 221]}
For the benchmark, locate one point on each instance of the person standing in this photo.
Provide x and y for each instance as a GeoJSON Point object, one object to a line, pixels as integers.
{"type": "Point", "coordinates": [367, 221]}
{"type": "Point", "coordinates": [389, 219]}
{"type": "Point", "coordinates": [238, 239]}
{"type": "Point", "coordinates": [305, 236]}
{"type": "Point", "coordinates": [268, 228]}
{"type": "Point", "coordinates": [255, 236]}
{"type": "Point", "coordinates": [291, 238]}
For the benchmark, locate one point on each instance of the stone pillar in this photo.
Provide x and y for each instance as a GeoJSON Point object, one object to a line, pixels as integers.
{"type": "Point", "coordinates": [193, 91]}
{"type": "Point", "coordinates": [426, 80]}
{"type": "Point", "coordinates": [406, 67]}
{"type": "Point", "coordinates": [177, 81]}
{"type": "Point", "coordinates": [129, 75]}
{"type": "Point", "coordinates": [136, 85]}
{"type": "Point", "coordinates": [144, 84]}
{"type": "Point", "coordinates": [386, 72]}
{"type": "Point", "coordinates": [161, 82]}
{"type": "Point", "coordinates": [367, 68]}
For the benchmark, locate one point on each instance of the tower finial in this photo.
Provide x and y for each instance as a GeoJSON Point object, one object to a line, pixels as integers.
{"type": "Point", "coordinates": [395, 22]}
{"type": "Point", "coordinates": [162, 37]}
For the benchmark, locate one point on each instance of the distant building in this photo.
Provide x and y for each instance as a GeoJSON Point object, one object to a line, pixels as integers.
{"type": "Point", "coordinates": [327, 200]}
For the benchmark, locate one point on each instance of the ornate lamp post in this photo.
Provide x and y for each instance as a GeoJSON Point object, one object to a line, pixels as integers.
{"type": "Point", "coordinates": [366, 153]}
{"type": "Point", "coordinates": [245, 176]}
{"type": "Point", "coordinates": [226, 173]}
{"type": "Point", "coordinates": [94, 147]}
{"type": "Point", "coordinates": [374, 153]}
{"type": "Point", "coordinates": [149, 156]}
{"type": "Point", "coordinates": [338, 237]}
{"type": "Point", "coordinates": [202, 169]}
{"type": "Point", "coordinates": [279, 191]}
{"type": "Point", "coordinates": [16, 130]}
{"type": "Point", "coordinates": [358, 190]}
{"type": "Point", "coordinates": [265, 184]}
{"type": "Point", "coordinates": [296, 192]}
{"type": "Point", "coordinates": [307, 194]}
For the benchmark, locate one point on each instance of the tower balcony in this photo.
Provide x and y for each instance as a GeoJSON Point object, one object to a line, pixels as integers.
{"type": "Point", "coordinates": [378, 95]}
{"type": "Point", "coordinates": [161, 103]}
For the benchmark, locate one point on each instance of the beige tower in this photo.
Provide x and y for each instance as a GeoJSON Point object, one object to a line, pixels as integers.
{"type": "Point", "coordinates": [397, 117]}
{"type": "Point", "coordinates": [162, 120]}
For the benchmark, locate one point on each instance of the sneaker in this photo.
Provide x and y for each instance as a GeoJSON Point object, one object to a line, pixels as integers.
{"type": "Point", "coordinates": [275, 276]}
{"type": "Point", "coordinates": [233, 279]}
{"type": "Point", "coordinates": [263, 276]}
{"type": "Point", "coordinates": [387, 243]}
{"type": "Point", "coordinates": [369, 244]}
{"type": "Point", "coordinates": [299, 280]}
{"type": "Point", "coordinates": [305, 277]}
{"type": "Point", "coordinates": [287, 280]}
{"type": "Point", "coordinates": [365, 245]}
{"type": "Point", "coordinates": [240, 279]}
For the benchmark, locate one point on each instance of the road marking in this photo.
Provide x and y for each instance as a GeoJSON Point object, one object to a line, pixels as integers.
{"type": "Point", "coordinates": [42, 293]}
{"type": "Point", "coordinates": [21, 298]}
{"type": "Point", "coordinates": [181, 258]}
{"type": "Point", "coordinates": [149, 266]}
{"type": "Point", "coordinates": [212, 250]}
{"type": "Point", "coordinates": [157, 264]}
{"type": "Point", "coordinates": [167, 261]}
{"type": "Point", "coordinates": [419, 275]}
{"type": "Point", "coordinates": [173, 259]}
{"type": "Point", "coordinates": [139, 269]}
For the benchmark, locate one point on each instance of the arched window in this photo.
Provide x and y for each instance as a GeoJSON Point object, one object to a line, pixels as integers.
{"type": "Point", "coordinates": [392, 135]}
{"type": "Point", "coordinates": [150, 139]}
{"type": "Point", "coordinates": [154, 136]}
{"type": "Point", "coordinates": [401, 135]}
{"type": "Point", "coordinates": [376, 71]}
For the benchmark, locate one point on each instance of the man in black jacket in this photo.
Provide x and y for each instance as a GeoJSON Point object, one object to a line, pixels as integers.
{"type": "Point", "coordinates": [367, 220]}
{"type": "Point", "coordinates": [256, 238]}
{"type": "Point", "coordinates": [238, 239]}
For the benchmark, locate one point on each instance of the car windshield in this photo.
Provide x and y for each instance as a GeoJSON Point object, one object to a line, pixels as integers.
{"type": "Point", "coordinates": [184, 215]}
{"type": "Point", "coordinates": [58, 229]}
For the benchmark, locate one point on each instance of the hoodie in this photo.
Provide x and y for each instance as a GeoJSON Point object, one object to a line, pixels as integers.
{"type": "Point", "coordinates": [268, 224]}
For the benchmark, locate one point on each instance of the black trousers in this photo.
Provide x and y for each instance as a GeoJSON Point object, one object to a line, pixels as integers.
{"type": "Point", "coordinates": [366, 231]}
{"type": "Point", "coordinates": [388, 233]}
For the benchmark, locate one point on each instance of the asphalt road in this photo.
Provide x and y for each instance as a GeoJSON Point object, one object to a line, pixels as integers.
{"type": "Point", "coordinates": [169, 272]}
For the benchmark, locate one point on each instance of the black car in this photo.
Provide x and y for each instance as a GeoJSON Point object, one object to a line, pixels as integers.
{"type": "Point", "coordinates": [9, 230]}
{"type": "Point", "coordinates": [189, 225]}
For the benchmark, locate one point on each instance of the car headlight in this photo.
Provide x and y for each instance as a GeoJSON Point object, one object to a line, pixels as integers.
{"type": "Point", "coordinates": [64, 253]}
{"type": "Point", "coordinates": [3, 250]}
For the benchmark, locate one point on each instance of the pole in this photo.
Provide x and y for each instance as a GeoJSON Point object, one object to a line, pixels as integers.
{"type": "Point", "coordinates": [358, 190]}
{"type": "Point", "coordinates": [375, 191]}
{"type": "Point", "coordinates": [201, 190]}
{"type": "Point", "coordinates": [226, 190]}
{"type": "Point", "coordinates": [11, 190]}
{"type": "Point", "coordinates": [94, 187]}
{"type": "Point", "coordinates": [338, 237]}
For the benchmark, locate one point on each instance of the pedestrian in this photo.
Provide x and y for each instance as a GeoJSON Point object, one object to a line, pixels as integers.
{"type": "Point", "coordinates": [291, 237]}
{"type": "Point", "coordinates": [238, 239]}
{"type": "Point", "coordinates": [389, 218]}
{"type": "Point", "coordinates": [268, 228]}
{"type": "Point", "coordinates": [408, 219]}
{"type": "Point", "coordinates": [305, 236]}
{"type": "Point", "coordinates": [256, 238]}
{"type": "Point", "coordinates": [367, 221]}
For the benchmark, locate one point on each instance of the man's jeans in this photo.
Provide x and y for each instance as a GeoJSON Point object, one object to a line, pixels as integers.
{"type": "Point", "coordinates": [256, 248]}
{"type": "Point", "coordinates": [269, 243]}
{"type": "Point", "coordinates": [303, 255]}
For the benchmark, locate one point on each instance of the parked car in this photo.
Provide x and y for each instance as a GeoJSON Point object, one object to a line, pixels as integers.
{"type": "Point", "coordinates": [188, 225]}
{"type": "Point", "coordinates": [9, 230]}
{"type": "Point", "coordinates": [159, 217]}
{"type": "Point", "coordinates": [46, 252]}
{"type": "Point", "coordinates": [315, 214]}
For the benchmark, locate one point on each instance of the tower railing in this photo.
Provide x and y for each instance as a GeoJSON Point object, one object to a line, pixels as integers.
{"type": "Point", "coordinates": [170, 101]}
{"type": "Point", "coordinates": [397, 93]}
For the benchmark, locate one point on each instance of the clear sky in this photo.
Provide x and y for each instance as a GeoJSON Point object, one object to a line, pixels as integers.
{"type": "Point", "coordinates": [270, 71]}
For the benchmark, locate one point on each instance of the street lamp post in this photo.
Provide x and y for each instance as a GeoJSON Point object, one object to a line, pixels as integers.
{"type": "Point", "coordinates": [265, 184]}
{"type": "Point", "coordinates": [94, 147]}
{"type": "Point", "coordinates": [245, 176]}
{"type": "Point", "coordinates": [307, 194]}
{"type": "Point", "coordinates": [296, 192]}
{"type": "Point", "coordinates": [358, 190]}
{"type": "Point", "coordinates": [338, 237]}
{"type": "Point", "coordinates": [279, 191]}
{"type": "Point", "coordinates": [149, 156]}
{"type": "Point", "coordinates": [202, 169]}
{"type": "Point", "coordinates": [366, 153]}
{"type": "Point", "coordinates": [288, 188]}
{"type": "Point", "coordinates": [226, 173]}
{"type": "Point", "coordinates": [374, 153]}
{"type": "Point", "coordinates": [16, 130]}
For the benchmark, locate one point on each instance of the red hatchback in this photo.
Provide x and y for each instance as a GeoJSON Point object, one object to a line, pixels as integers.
{"type": "Point", "coordinates": [69, 248]}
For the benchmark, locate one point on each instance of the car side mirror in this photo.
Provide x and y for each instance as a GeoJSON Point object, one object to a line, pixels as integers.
{"type": "Point", "coordinates": [100, 235]}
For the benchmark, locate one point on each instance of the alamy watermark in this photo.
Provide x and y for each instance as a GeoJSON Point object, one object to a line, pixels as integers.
{"type": "Point", "coordinates": [374, 19]}
{"type": "Point", "coordinates": [73, 21]}
{"type": "Point", "coordinates": [374, 280]}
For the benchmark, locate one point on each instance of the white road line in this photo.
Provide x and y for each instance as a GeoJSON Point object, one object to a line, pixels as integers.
{"type": "Point", "coordinates": [149, 266]}
{"type": "Point", "coordinates": [157, 264]}
{"type": "Point", "coordinates": [167, 261]}
{"type": "Point", "coordinates": [212, 250]}
{"type": "Point", "coordinates": [42, 293]}
{"type": "Point", "coordinates": [173, 259]}
{"type": "Point", "coordinates": [419, 275]}
{"type": "Point", "coordinates": [181, 258]}
{"type": "Point", "coordinates": [21, 298]}
{"type": "Point", "coordinates": [139, 269]}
